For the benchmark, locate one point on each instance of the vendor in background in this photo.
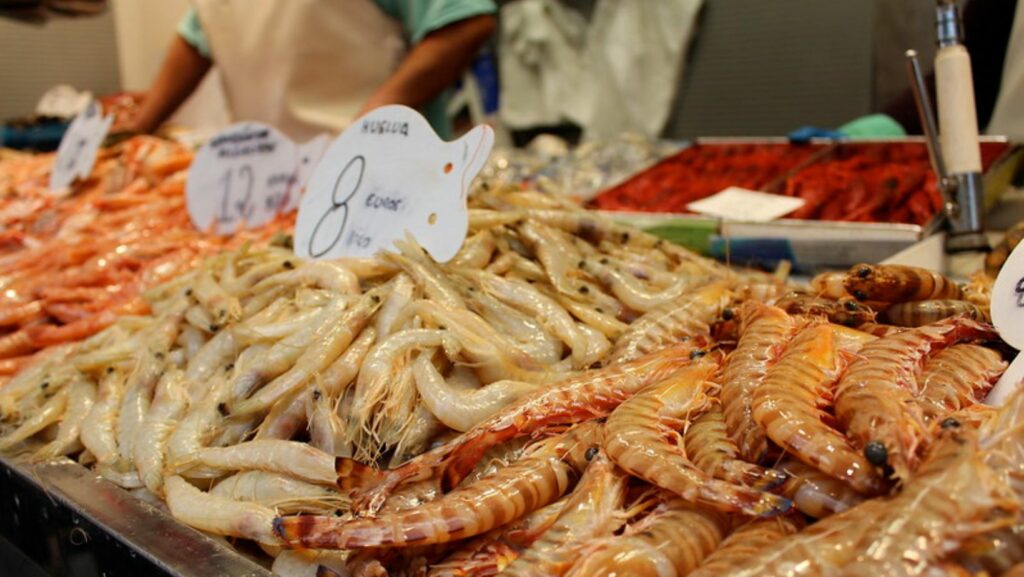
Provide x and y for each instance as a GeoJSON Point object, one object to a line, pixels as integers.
{"type": "Point", "coordinates": [313, 66]}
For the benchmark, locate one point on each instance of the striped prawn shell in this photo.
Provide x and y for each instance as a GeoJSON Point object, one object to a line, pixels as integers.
{"type": "Point", "coordinates": [683, 319]}
{"type": "Point", "coordinates": [958, 377]}
{"type": "Point", "coordinates": [764, 334]}
{"type": "Point", "coordinates": [636, 439]}
{"type": "Point", "coordinates": [745, 543]}
{"type": "Point", "coordinates": [670, 542]}
{"type": "Point", "coordinates": [920, 313]}
{"type": "Point", "coordinates": [535, 480]}
{"type": "Point", "coordinates": [791, 407]}
{"type": "Point", "coordinates": [898, 283]}
{"type": "Point", "coordinates": [875, 397]}
{"type": "Point", "coordinates": [711, 450]}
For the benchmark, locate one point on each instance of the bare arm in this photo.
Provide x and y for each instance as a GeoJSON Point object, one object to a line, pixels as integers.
{"type": "Point", "coordinates": [182, 71]}
{"type": "Point", "coordinates": [434, 64]}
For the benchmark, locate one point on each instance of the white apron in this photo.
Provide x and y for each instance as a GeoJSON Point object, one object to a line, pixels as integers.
{"type": "Point", "coordinates": [1008, 116]}
{"type": "Point", "coordinates": [302, 66]}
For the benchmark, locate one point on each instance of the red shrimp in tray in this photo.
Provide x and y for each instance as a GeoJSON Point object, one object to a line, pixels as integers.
{"type": "Point", "coordinates": [875, 398]}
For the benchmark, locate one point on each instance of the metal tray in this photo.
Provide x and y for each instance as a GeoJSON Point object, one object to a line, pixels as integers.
{"type": "Point", "coordinates": [60, 519]}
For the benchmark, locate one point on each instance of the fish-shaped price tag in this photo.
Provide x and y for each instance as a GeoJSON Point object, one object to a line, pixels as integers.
{"type": "Point", "coordinates": [386, 176]}
{"type": "Point", "coordinates": [77, 152]}
{"type": "Point", "coordinates": [1007, 308]}
{"type": "Point", "coordinates": [241, 177]}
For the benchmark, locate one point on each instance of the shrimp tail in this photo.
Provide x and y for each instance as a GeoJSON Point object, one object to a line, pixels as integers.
{"type": "Point", "coordinates": [355, 475]}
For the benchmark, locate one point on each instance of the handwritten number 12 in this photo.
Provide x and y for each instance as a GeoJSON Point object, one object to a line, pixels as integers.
{"type": "Point", "coordinates": [243, 207]}
{"type": "Point", "coordinates": [338, 211]}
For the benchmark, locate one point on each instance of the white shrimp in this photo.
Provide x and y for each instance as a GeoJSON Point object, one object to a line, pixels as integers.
{"type": "Point", "coordinates": [218, 515]}
{"type": "Point", "coordinates": [81, 397]}
{"type": "Point", "coordinates": [169, 402]}
{"type": "Point", "coordinates": [461, 409]}
{"type": "Point", "coordinates": [425, 273]}
{"type": "Point", "coordinates": [327, 346]}
{"type": "Point", "coordinates": [141, 382]}
{"type": "Point", "coordinates": [218, 304]}
{"type": "Point", "coordinates": [285, 494]}
{"type": "Point", "coordinates": [402, 293]}
{"type": "Point", "coordinates": [197, 426]}
{"type": "Point", "coordinates": [331, 275]}
{"type": "Point", "coordinates": [475, 252]}
{"type": "Point", "coordinates": [630, 290]}
{"type": "Point", "coordinates": [287, 457]}
{"type": "Point", "coordinates": [99, 429]}
{"type": "Point", "coordinates": [326, 431]}
{"type": "Point", "coordinates": [50, 413]}
{"type": "Point", "coordinates": [586, 344]}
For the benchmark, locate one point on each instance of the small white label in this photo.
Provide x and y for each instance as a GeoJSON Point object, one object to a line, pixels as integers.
{"type": "Point", "coordinates": [76, 154]}
{"type": "Point", "coordinates": [1008, 383]}
{"type": "Point", "coordinates": [740, 204]}
{"type": "Point", "coordinates": [1008, 299]}
{"type": "Point", "coordinates": [390, 175]}
{"type": "Point", "coordinates": [243, 176]}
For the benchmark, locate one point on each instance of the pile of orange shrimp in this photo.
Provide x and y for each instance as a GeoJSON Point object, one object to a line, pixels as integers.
{"type": "Point", "coordinates": [565, 397]}
{"type": "Point", "coordinates": [71, 265]}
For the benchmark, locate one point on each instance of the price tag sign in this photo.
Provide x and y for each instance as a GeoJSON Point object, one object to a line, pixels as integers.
{"type": "Point", "coordinates": [76, 154]}
{"type": "Point", "coordinates": [241, 178]}
{"type": "Point", "coordinates": [736, 203]}
{"type": "Point", "coordinates": [390, 175]}
{"type": "Point", "coordinates": [1007, 309]}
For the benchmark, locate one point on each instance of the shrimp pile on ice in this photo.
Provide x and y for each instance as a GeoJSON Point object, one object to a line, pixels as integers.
{"type": "Point", "coordinates": [565, 397]}
{"type": "Point", "coordinates": [70, 266]}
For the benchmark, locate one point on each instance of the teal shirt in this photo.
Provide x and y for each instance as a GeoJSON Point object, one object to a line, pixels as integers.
{"type": "Point", "coordinates": [418, 18]}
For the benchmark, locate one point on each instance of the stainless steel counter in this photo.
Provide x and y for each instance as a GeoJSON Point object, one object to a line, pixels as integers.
{"type": "Point", "coordinates": [69, 521]}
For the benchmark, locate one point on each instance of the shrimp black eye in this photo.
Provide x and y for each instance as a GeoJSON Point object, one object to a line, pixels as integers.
{"type": "Point", "coordinates": [584, 290]}
{"type": "Point", "coordinates": [949, 423]}
{"type": "Point", "coordinates": [876, 453]}
{"type": "Point", "coordinates": [728, 314]}
{"type": "Point", "coordinates": [851, 305]}
{"type": "Point", "coordinates": [864, 272]}
{"type": "Point", "coordinates": [288, 264]}
{"type": "Point", "coordinates": [317, 394]}
{"type": "Point", "coordinates": [860, 295]}
{"type": "Point", "coordinates": [591, 453]}
{"type": "Point", "coordinates": [697, 354]}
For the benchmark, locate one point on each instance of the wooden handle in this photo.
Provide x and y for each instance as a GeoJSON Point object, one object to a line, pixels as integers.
{"type": "Point", "coordinates": [958, 117]}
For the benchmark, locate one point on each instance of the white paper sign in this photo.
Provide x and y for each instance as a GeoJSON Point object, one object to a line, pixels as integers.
{"type": "Point", "coordinates": [76, 154]}
{"type": "Point", "coordinates": [1008, 383]}
{"type": "Point", "coordinates": [241, 177]}
{"type": "Point", "coordinates": [390, 174]}
{"type": "Point", "coordinates": [1007, 307]}
{"type": "Point", "coordinates": [1008, 300]}
{"type": "Point", "coordinates": [736, 203]}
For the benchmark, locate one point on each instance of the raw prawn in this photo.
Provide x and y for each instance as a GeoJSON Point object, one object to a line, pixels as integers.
{"type": "Point", "coordinates": [763, 336]}
{"type": "Point", "coordinates": [637, 440]}
{"type": "Point", "coordinates": [791, 408]}
{"type": "Point", "coordinates": [537, 479]}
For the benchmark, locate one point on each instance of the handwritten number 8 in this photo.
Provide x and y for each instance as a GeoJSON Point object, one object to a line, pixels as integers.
{"type": "Point", "coordinates": [339, 208]}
